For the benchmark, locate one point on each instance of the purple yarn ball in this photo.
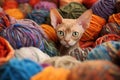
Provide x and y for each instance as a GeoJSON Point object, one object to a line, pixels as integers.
{"type": "Point", "coordinates": [22, 1]}
{"type": "Point", "coordinates": [45, 5]}
{"type": "Point", "coordinates": [104, 8]}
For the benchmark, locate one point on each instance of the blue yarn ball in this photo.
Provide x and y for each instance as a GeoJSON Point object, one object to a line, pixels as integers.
{"type": "Point", "coordinates": [19, 69]}
{"type": "Point", "coordinates": [39, 16]}
{"type": "Point", "coordinates": [106, 51]}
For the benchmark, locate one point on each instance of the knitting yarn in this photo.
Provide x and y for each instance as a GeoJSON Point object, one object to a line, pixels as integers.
{"type": "Point", "coordinates": [4, 21]}
{"type": "Point", "coordinates": [104, 8]}
{"type": "Point", "coordinates": [10, 4]}
{"type": "Point", "coordinates": [95, 70]}
{"type": "Point", "coordinates": [6, 51]}
{"type": "Point", "coordinates": [33, 2]}
{"type": "Point", "coordinates": [17, 69]}
{"type": "Point", "coordinates": [105, 51]}
{"type": "Point", "coordinates": [110, 28]}
{"type": "Point", "coordinates": [115, 18]}
{"type": "Point", "coordinates": [16, 13]}
{"type": "Point", "coordinates": [49, 32]}
{"type": "Point", "coordinates": [22, 1]}
{"type": "Point", "coordinates": [89, 3]}
{"type": "Point", "coordinates": [66, 62]}
{"type": "Point", "coordinates": [73, 10]}
{"type": "Point", "coordinates": [107, 37]}
{"type": "Point", "coordinates": [86, 44]}
{"type": "Point", "coordinates": [25, 8]}
{"type": "Point", "coordinates": [54, 1]}
{"type": "Point", "coordinates": [94, 28]}
{"type": "Point", "coordinates": [66, 2]}
{"type": "Point", "coordinates": [45, 5]}
{"type": "Point", "coordinates": [31, 53]}
{"type": "Point", "coordinates": [51, 73]}
{"type": "Point", "coordinates": [39, 16]}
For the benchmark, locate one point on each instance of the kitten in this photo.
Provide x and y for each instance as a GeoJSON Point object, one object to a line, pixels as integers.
{"type": "Point", "coordinates": [69, 31]}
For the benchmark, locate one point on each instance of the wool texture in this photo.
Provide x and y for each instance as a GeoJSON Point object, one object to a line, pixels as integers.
{"type": "Point", "coordinates": [22, 1]}
{"type": "Point", "coordinates": [117, 6]}
{"type": "Point", "coordinates": [33, 2]}
{"type": "Point", "coordinates": [19, 69]}
{"type": "Point", "coordinates": [89, 3]}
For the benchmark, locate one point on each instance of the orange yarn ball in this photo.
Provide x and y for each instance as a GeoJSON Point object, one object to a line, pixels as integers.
{"type": "Point", "coordinates": [51, 73]}
{"type": "Point", "coordinates": [16, 13]}
{"type": "Point", "coordinates": [50, 32]}
{"type": "Point", "coordinates": [115, 18]}
{"type": "Point", "coordinates": [10, 4]}
{"type": "Point", "coordinates": [89, 3]}
{"type": "Point", "coordinates": [33, 2]}
{"type": "Point", "coordinates": [65, 2]}
{"type": "Point", "coordinates": [94, 29]}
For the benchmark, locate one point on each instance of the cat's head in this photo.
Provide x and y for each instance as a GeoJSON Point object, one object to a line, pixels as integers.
{"type": "Point", "coordinates": [69, 31]}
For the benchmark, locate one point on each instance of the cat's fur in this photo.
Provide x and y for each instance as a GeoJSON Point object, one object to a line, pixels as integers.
{"type": "Point", "coordinates": [69, 31]}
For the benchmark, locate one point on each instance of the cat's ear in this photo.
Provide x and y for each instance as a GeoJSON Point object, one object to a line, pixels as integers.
{"type": "Point", "coordinates": [85, 19]}
{"type": "Point", "coordinates": [55, 17]}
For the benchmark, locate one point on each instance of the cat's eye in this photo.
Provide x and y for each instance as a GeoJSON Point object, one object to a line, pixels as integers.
{"type": "Point", "coordinates": [60, 33]}
{"type": "Point", "coordinates": [75, 34]}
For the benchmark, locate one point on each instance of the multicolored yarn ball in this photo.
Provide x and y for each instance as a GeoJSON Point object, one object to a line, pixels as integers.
{"type": "Point", "coordinates": [110, 28]}
{"type": "Point", "coordinates": [25, 8]}
{"type": "Point", "coordinates": [117, 6]}
{"type": "Point", "coordinates": [16, 13]}
{"type": "Point", "coordinates": [4, 21]}
{"type": "Point", "coordinates": [49, 32]}
{"type": "Point", "coordinates": [17, 69]}
{"type": "Point", "coordinates": [33, 2]}
{"type": "Point", "coordinates": [31, 53]}
{"type": "Point", "coordinates": [95, 70]}
{"type": "Point", "coordinates": [22, 1]}
{"type": "Point", "coordinates": [105, 51]}
{"type": "Point", "coordinates": [94, 29]}
{"type": "Point", "coordinates": [51, 73]}
{"type": "Point", "coordinates": [45, 5]}
{"type": "Point", "coordinates": [72, 10]}
{"type": "Point", "coordinates": [115, 18]}
{"type": "Point", "coordinates": [39, 16]}
{"type": "Point", "coordinates": [6, 51]}
{"type": "Point", "coordinates": [10, 4]}
{"type": "Point", "coordinates": [66, 62]}
{"type": "Point", "coordinates": [89, 3]}
{"type": "Point", "coordinates": [104, 8]}
{"type": "Point", "coordinates": [107, 37]}
{"type": "Point", "coordinates": [63, 3]}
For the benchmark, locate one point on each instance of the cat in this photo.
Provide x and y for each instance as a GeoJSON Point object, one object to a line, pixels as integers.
{"type": "Point", "coordinates": [69, 31]}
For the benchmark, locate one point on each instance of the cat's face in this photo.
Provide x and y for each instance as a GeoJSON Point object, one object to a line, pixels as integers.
{"type": "Point", "coordinates": [69, 32]}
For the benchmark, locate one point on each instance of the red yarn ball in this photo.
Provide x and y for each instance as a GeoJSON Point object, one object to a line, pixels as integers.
{"type": "Point", "coordinates": [33, 2]}
{"type": "Point", "coordinates": [89, 3]}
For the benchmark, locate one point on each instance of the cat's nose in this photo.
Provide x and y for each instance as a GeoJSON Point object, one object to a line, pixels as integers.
{"type": "Point", "coordinates": [66, 40]}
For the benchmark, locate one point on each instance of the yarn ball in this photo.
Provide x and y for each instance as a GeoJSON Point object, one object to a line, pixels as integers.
{"type": "Point", "coordinates": [31, 53]}
{"type": "Point", "coordinates": [72, 10]}
{"type": "Point", "coordinates": [10, 4]}
{"type": "Point", "coordinates": [25, 8]}
{"type": "Point", "coordinates": [115, 18]}
{"type": "Point", "coordinates": [95, 70]}
{"type": "Point", "coordinates": [66, 62]}
{"type": "Point", "coordinates": [22, 1]}
{"type": "Point", "coordinates": [45, 5]}
{"type": "Point", "coordinates": [4, 21]}
{"type": "Point", "coordinates": [23, 35]}
{"type": "Point", "coordinates": [6, 51]}
{"type": "Point", "coordinates": [104, 8]}
{"type": "Point", "coordinates": [107, 37]}
{"type": "Point", "coordinates": [19, 69]}
{"type": "Point", "coordinates": [39, 16]}
{"type": "Point", "coordinates": [63, 3]}
{"type": "Point", "coordinates": [94, 28]}
{"type": "Point", "coordinates": [16, 13]}
{"type": "Point", "coordinates": [51, 73]}
{"type": "Point", "coordinates": [117, 6]}
{"type": "Point", "coordinates": [33, 2]}
{"type": "Point", "coordinates": [105, 51]}
{"type": "Point", "coordinates": [110, 28]}
{"type": "Point", "coordinates": [89, 3]}
{"type": "Point", "coordinates": [50, 32]}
